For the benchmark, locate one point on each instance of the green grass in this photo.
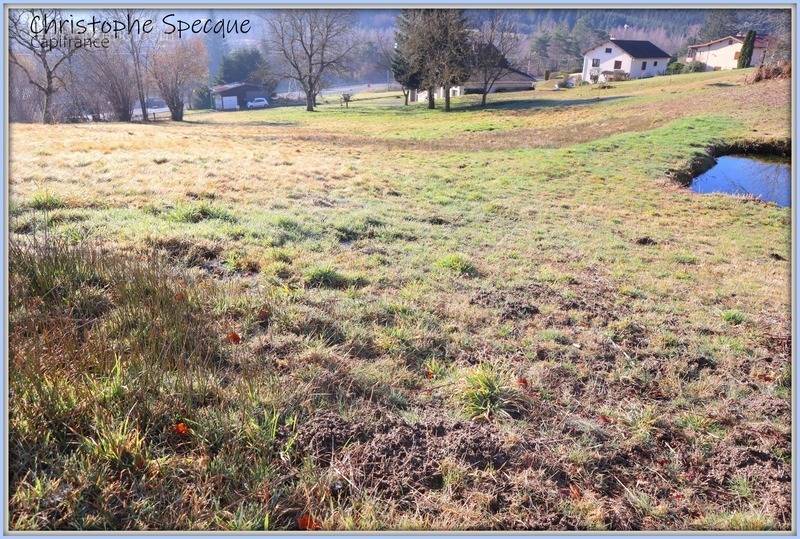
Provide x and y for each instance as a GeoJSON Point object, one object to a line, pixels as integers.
{"type": "Point", "coordinates": [45, 200]}
{"type": "Point", "coordinates": [734, 316]}
{"type": "Point", "coordinates": [458, 264]}
{"type": "Point", "coordinates": [487, 393]}
{"type": "Point", "coordinates": [199, 211]}
{"type": "Point", "coordinates": [326, 276]}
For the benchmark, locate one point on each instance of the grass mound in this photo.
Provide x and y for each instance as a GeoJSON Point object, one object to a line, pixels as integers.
{"type": "Point", "coordinates": [199, 211]}
{"type": "Point", "coordinates": [45, 200]}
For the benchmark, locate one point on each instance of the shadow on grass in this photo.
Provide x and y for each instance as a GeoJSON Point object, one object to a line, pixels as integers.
{"type": "Point", "coordinates": [519, 104]}
{"type": "Point", "coordinates": [250, 123]}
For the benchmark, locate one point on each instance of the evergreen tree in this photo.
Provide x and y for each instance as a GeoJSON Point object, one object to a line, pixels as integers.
{"type": "Point", "coordinates": [408, 76]}
{"type": "Point", "coordinates": [406, 71]}
{"type": "Point", "coordinates": [539, 48]}
{"type": "Point", "coordinates": [241, 65]}
{"type": "Point", "coordinates": [719, 23]}
{"type": "Point", "coordinates": [746, 54]}
{"type": "Point", "coordinates": [437, 41]}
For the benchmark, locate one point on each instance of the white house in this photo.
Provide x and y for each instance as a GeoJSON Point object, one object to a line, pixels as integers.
{"type": "Point", "coordinates": [724, 53]}
{"type": "Point", "coordinates": [512, 81]}
{"type": "Point", "coordinates": [635, 58]}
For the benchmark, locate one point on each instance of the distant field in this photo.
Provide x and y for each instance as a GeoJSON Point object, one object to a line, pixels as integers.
{"type": "Point", "coordinates": [380, 317]}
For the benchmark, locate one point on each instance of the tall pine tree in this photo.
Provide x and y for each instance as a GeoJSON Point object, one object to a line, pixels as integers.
{"type": "Point", "coordinates": [406, 71]}
{"type": "Point", "coordinates": [746, 54]}
{"type": "Point", "coordinates": [437, 41]}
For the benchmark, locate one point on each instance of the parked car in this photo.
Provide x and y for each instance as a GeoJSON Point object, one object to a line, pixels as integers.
{"type": "Point", "coordinates": [258, 103]}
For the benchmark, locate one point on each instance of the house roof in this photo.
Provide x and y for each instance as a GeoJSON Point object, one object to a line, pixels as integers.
{"type": "Point", "coordinates": [760, 42]}
{"type": "Point", "coordinates": [640, 48]}
{"type": "Point", "coordinates": [511, 75]}
{"type": "Point", "coordinates": [517, 75]}
{"type": "Point", "coordinates": [222, 88]}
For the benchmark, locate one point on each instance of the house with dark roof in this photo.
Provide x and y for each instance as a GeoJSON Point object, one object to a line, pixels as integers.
{"type": "Point", "coordinates": [724, 53]}
{"type": "Point", "coordinates": [635, 59]}
{"type": "Point", "coordinates": [512, 80]}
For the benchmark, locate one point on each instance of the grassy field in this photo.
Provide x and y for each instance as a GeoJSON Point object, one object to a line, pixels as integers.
{"type": "Point", "coordinates": [393, 318]}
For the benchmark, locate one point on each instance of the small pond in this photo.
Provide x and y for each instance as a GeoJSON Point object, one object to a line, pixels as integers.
{"type": "Point", "coordinates": [768, 179]}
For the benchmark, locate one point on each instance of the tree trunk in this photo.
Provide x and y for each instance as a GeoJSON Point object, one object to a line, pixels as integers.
{"type": "Point", "coordinates": [405, 96]}
{"type": "Point", "coordinates": [47, 116]}
{"type": "Point", "coordinates": [431, 99]}
{"type": "Point", "coordinates": [483, 97]}
{"type": "Point", "coordinates": [140, 89]}
{"type": "Point", "coordinates": [309, 101]}
{"type": "Point", "coordinates": [447, 99]}
{"type": "Point", "coordinates": [176, 112]}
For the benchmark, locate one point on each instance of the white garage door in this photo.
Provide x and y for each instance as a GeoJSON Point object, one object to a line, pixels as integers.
{"type": "Point", "coordinates": [229, 102]}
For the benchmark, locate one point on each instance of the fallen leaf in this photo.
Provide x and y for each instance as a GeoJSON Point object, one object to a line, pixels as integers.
{"type": "Point", "coordinates": [522, 382]}
{"type": "Point", "coordinates": [574, 492]}
{"type": "Point", "coordinates": [181, 429]}
{"type": "Point", "coordinates": [233, 338]}
{"type": "Point", "coordinates": [604, 419]}
{"type": "Point", "coordinates": [180, 296]}
{"type": "Point", "coordinates": [307, 522]}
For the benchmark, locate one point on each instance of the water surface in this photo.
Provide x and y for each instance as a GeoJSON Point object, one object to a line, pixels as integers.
{"type": "Point", "coordinates": [767, 179]}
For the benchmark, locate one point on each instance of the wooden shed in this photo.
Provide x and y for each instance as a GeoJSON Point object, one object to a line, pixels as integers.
{"type": "Point", "coordinates": [234, 96]}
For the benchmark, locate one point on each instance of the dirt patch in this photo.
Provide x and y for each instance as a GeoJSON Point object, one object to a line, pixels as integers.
{"type": "Point", "coordinates": [324, 434]}
{"type": "Point", "coordinates": [771, 477]}
{"type": "Point", "coordinates": [394, 458]}
{"type": "Point", "coordinates": [193, 254]}
{"type": "Point", "coordinates": [404, 458]}
{"type": "Point", "coordinates": [645, 240]}
{"type": "Point", "coordinates": [513, 304]}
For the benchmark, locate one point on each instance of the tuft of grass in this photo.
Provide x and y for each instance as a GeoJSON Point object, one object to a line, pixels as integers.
{"type": "Point", "coordinates": [553, 335]}
{"type": "Point", "coordinates": [487, 393]}
{"type": "Point", "coordinates": [687, 259]}
{"type": "Point", "coordinates": [355, 228]}
{"type": "Point", "coordinates": [733, 316]}
{"type": "Point", "coordinates": [752, 520]}
{"type": "Point", "coordinates": [742, 487]}
{"type": "Point", "coordinates": [642, 423]}
{"type": "Point", "coordinates": [123, 446]}
{"type": "Point", "coordinates": [46, 200]}
{"type": "Point", "coordinates": [326, 276]}
{"type": "Point", "coordinates": [196, 212]}
{"type": "Point", "coordinates": [457, 263]}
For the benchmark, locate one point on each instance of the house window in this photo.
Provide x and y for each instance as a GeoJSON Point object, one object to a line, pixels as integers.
{"type": "Point", "coordinates": [730, 42]}
{"type": "Point", "coordinates": [644, 66]}
{"type": "Point", "coordinates": [691, 53]}
{"type": "Point", "coordinates": [595, 62]}
{"type": "Point", "coordinates": [655, 63]}
{"type": "Point", "coordinates": [617, 64]}
{"type": "Point", "coordinates": [608, 50]}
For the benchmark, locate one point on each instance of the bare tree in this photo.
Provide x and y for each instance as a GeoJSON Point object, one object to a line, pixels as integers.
{"type": "Point", "coordinates": [138, 46]}
{"type": "Point", "coordinates": [177, 67]}
{"type": "Point", "coordinates": [311, 44]}
{"type": "Point", "coordinates": [27, 38]}
{"type": "Point", "coordinates": [24, 99]}
{"type": "Point", "coordinates": [110, 72]}
{"type": "Point", "coordinates": [494, 43]}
